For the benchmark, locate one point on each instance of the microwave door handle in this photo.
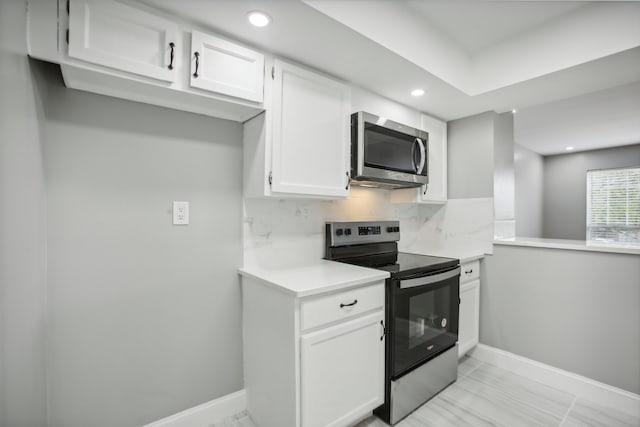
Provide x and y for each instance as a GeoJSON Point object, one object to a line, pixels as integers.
{"type": "Point", "coordinates": [414, 146]}
{"type": "Point", "coordinates": [423, 156]}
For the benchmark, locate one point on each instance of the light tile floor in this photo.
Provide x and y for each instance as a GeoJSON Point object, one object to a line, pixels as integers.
{"type": "Point", "coordinates": [488, 396]}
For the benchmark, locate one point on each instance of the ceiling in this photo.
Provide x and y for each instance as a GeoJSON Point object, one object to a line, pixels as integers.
{"type": "Point", "coordinates": [469, 56]}
{"type": "Point", "coordinates": [606, 118]}
{"type": "Point", "coordinates": [478, 25]}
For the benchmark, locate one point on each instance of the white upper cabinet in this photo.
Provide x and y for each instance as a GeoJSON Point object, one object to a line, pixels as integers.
{"type": "Point", "coordinates": [300, 147]}
{"type": "Point", "coordinates": [436, 191]}
{"type": "Point", "coordinates": [223, 67]}
{"type": "Point", "coordinates": [123, 38]}
{"type": "Point", "coordinates": [310, 133]}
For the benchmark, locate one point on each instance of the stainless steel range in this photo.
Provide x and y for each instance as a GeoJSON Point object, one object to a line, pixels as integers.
{"type": "Point", "coordinates": [422, 300]}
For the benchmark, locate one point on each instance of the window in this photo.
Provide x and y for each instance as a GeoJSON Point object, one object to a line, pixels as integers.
{"type": "Point", "coordinates": [613, 205]}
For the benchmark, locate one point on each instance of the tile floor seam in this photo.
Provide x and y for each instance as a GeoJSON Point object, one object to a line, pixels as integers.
{"type": "Point", "coordinates": [564, 419]}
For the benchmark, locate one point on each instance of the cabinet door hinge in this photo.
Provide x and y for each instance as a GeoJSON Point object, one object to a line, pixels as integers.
{"type": "Point", "coordinates": [270, 178]}
{"type": "Point", "coordinates": [273, 73]}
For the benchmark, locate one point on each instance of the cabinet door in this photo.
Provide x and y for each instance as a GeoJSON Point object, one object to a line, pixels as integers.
{"type": "Point", "coordinates": [342, 372]}
{"type": "Point", "coordinates": [227, 68]}
{"type": "Point", "coordinates": [118, 36]}
{"type": "Point", "coordinates": [469, 323]}
{"type": "Point", "coordinates": [310, 136]}
{"type": "Point", "coordinates": [437, 189]}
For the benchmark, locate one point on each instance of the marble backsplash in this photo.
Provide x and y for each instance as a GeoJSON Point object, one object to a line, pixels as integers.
{"type": "Point", "coordinates": [281, 232]}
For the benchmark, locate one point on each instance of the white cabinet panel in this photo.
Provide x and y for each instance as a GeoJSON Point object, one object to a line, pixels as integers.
{"type": "Point", "coordinates": [470, 271]}
{"type": "Point", "coordinates": [310, 139]}
{"type": "Point", "coordinates": [341, 306]}
{"type": "Point", "coordinates": [223, 67]}
{"type": "Point", "coordinates": [342, 372]}
{"type": "Point", "coordinates": [468, 327]}
{"type": "Point", "coordinates": [437, 188]}
{"type": "Point", "coordinates": [124, 38]}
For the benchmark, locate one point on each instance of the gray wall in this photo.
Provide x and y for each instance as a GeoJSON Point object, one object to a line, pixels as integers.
{"type": "Point", "coordinates": [22, 231]}
{"type": "Point", "coordinates": [470, 156]}
{"type": "Point", "coordinates": [576, 310]}
{"type": "Point", "coordinates": [503, 173]}
{"type": "Point", "coordinates": [529, 177]}
{"type": "Point", "coordinates": [565, 187]}
{"type": "Point", "coordinates": [144, 316]}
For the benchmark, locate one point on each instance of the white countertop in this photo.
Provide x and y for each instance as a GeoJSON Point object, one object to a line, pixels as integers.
{"type": "Point", "coordinates": [463, 257]}
{"type": "Point", "coordinates": [314, 278]}
{"type": "Point", "coordinates": [578, 245]}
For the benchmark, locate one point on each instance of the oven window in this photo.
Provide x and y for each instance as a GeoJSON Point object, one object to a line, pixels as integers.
{"type": "Point", "coordinates": [387, 149]}
{"type": "Point", "coordinates": [428, 316]}
{"type": "Point", "coordinates": [425, 323]}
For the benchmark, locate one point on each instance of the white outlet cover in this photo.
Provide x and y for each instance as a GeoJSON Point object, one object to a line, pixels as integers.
{"type": "Point", "coordinates": [180, 213]}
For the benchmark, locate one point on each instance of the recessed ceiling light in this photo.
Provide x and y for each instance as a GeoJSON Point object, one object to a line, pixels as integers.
{"type": "Point", "coordinates": [259, 19]}
{"type": "Point", "coordinates": [417, 92]}
{"type": "Point", "coordinates": [569, 148]}
{"type": "Point", "coordinates": [514, 111]}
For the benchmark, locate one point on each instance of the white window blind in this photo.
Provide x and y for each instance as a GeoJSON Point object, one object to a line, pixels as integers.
{"type": "Point", "coordinates": [613, 205]}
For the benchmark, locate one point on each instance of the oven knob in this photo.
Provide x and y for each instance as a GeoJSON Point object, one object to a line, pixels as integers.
{"type": "Point", "coordinates": [389, 229]}
{"type": "Point", "coordinates": [339, 232]}
{"type": "Point", "coordinates": [396, 229]}
{"type": "Point", "coordinates": [347, 231]}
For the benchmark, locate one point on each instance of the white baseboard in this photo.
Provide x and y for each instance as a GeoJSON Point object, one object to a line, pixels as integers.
{"type": "Point", "coordinates": [207, 413]}
{"type": "Point", "coordinates": [569, 382]}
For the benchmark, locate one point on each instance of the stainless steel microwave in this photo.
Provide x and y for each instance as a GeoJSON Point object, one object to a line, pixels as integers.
{"type": "Point", "coordinates": [387, 154]}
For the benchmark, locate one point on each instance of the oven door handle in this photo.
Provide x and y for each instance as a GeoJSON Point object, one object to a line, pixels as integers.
{"type": "Point", "coordinates": [427, 280]}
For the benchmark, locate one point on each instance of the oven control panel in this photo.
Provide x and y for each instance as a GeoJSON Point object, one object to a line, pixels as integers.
{"type": "Point", "coordinates": [370, 230]}
{"type": "Point", "coordinates": [355, 233]}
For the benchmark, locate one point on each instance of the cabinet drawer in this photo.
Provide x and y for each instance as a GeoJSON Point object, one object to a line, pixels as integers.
{"type": "Point", "coordinates": [342, 305]}
{"type": "Point", "coordinates": [470, 271]}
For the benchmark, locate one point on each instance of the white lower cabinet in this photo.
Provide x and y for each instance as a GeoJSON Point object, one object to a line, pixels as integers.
{"type": "Point", "coordinates": [469, 317]}
{"type": "Point", "coordinates": [308, 363]}
{"type": "Point", "coordinates": [340, 372]}
{"type": "Point", "coordinates": [469, 320]}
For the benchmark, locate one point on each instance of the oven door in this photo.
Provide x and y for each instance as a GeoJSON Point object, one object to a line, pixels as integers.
{"type": "Point", "coordinates": [424, 319]}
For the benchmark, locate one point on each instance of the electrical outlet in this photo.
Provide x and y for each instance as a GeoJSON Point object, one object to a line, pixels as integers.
{"type": "Point", "coordinates": [180, 213]}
